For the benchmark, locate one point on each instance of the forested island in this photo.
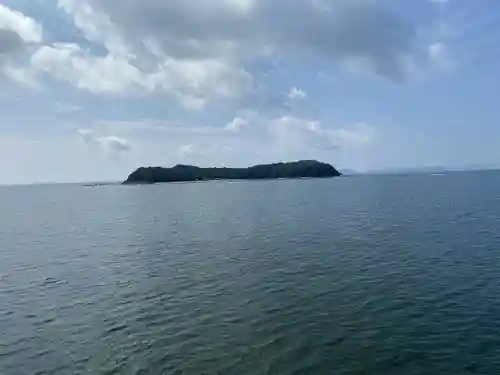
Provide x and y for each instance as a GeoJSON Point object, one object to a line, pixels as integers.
{"type": "Point", "coordinates": [184, 173]}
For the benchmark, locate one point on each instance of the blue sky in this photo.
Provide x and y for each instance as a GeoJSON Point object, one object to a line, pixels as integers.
{"type": "Point", "coordinates": [92, 89]}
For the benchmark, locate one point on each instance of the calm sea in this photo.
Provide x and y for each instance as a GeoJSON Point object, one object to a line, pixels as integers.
{"type": "Point", "coordinates": [360, 275]}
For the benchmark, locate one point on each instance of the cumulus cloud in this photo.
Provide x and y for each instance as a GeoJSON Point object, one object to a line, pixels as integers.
{"type": "Point", "coordinates": [190, 29]}
{"type": "Point", "coordinates": [268, 139]}
{"type": "Point", "coordinates": [238, 124]}
{"type": "Point", "coordinates": [440, 56]}
{"type": "Point", "coordinates": [297, 134]}
{"type": "Point", "coordinates": [16, 29]}
{"type": "Point", "coordinates": [358, 134]}
{"type": "Point", "coordinates": [18, 35]}
{"type": "Point", "coordinates": [191, 82]}
{"type": "Point", "coordinates": [69, 62]}
{"type": "Point", "coordinates": [295, 93]}
{"type": "Point", "coordinates": [186, 150]}
{"type": "Point", "coordinates": [66, 108]}
{"type": "Point", "coordinates": [203, 150]}
{"type": "Point", "coordinates": [198, 52]}
{"type": "Point", "coordinates": [111, 145]}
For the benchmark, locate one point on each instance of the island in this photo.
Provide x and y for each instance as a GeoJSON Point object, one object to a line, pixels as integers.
{"type": "Point", "coordinates": [185, 173]}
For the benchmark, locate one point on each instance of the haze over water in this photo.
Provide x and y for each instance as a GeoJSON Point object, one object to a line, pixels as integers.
{"type": "Point", "coordinates": [372, 275]}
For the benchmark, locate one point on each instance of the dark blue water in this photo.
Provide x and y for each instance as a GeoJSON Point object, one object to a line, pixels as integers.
{"type": "Point", "coordinates": [363, 275]}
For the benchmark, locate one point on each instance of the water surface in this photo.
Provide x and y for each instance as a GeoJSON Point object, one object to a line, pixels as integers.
{"type": "Point", "coordinates": [362, 275]}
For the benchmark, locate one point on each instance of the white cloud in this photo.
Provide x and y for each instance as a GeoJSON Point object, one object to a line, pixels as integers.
{"type": "Point", "coordinates": [70, 63]}
{"type": "Point", "coordinates": [358, 134]}
{"type": "Point", "coordinates": [14, 22]}
{"type": "Point", "coordinates": [295, 93]}
{"type": "Point", "coordinates": [212, 150]}
{"type": "Point", "coordinates": [439, 56]}
{"type": "Point", "coordinates": [186, 150]}
{"type": "Point", "coordinates": [18, 34]}
{"type": "Point", "coordinates": [265, 139]}
{"type": "Point", "coordinates": [96, 26]}
{"type": "Point", "coordinates": [65, 108]}
{"type": "Point", "coordinates": [196, 51]}
{"type": "Point", "coordinates": [196, 81]}
{"type": "Point", "coordinates": [199, 52]}
{"type": "Point", "coordinates": [140, 64]}
{"type": "Point", "coordinates": [297, 134]}
{"type": "Point", "coordinates": [436, 51]}
{"type": "Point", "coordinates": [110, 145]}
{"type": "Point", "coordinates": [22, 75]}
{"type": "Point", "coordinates": [190, 29]}
{"type": "Point", "coordinates": [191, 82]}
{"type": "Point", "coordinates": [87, 135]}
{"type": "Point", "coordinates": [238, 124]}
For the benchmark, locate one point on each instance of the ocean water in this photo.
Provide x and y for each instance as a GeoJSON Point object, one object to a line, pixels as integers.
{"type": "Point", "coordinates": [359, 275]}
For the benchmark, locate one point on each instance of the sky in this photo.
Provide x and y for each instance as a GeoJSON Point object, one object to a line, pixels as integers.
{"type": "Point", "coordinates": [92, 89]}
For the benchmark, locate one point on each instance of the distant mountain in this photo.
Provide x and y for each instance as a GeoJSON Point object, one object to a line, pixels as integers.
{"type": "Point", "coordinates": [180, 173]}
{"type": "Point", "coordinates": [349, 172]}
{"type": "Point", "coordinates": [405, 170]}
{"type": "Point", "coordinates": [433, 169]}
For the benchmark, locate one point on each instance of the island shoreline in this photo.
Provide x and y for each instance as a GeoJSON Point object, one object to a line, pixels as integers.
{"type": "Point", "coordinates": [304, 169]}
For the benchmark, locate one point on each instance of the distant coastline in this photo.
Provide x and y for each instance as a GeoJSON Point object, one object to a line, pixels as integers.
{"type": "Point", "coordinates": [185, 173]}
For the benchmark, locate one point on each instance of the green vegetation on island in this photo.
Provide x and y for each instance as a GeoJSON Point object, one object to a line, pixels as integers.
{"type": "Point", "coordinates": [184, 173]}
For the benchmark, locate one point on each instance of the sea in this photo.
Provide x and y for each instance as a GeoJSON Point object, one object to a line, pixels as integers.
{"type": "Point", "coordinates": [361, 275]}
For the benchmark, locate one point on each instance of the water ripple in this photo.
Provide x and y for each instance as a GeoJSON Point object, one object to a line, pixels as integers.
{"type": "Point", "coordinates": [368, 275]}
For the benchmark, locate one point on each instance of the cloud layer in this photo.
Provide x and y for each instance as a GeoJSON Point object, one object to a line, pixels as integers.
{"type": "Point", "coordinates": [110, 145]}
{"type": "Point", "coordinates": [200, 52]}
{"type": "Point", "coordinates": [216, 82]}
{"type": "Point", "coordinates": [236, 29]}
{"type": "Point", "coordinates": [18, 35]}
